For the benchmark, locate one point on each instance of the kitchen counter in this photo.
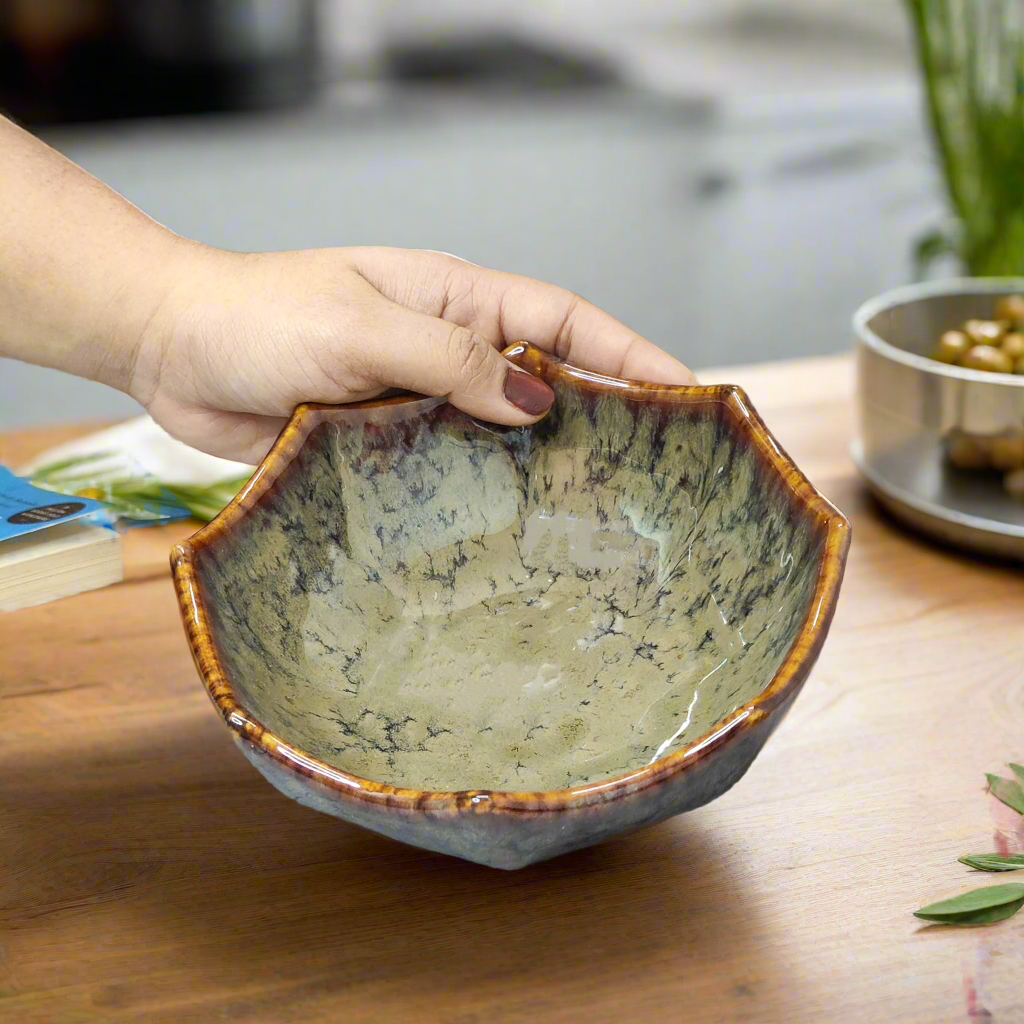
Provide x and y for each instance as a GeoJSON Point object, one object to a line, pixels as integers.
{"type": "Point", "coordinates": [150, 875]}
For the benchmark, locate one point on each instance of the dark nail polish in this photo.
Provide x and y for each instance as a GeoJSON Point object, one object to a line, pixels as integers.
{"type": "Point", "coordinates": [527, 392]}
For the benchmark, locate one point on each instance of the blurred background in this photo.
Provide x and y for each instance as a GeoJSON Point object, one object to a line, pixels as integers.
{"type": "Point", "coordinates": [729, 177]}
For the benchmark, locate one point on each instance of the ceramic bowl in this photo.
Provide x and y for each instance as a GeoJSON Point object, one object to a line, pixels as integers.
{"type": "Point", "coordinates": [505, 644]}
{"type": "Point", "coordinates": [913, 409]}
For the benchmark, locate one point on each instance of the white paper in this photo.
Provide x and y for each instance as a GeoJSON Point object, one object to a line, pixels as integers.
{"type": "Point", "coordinates": [142, 444]}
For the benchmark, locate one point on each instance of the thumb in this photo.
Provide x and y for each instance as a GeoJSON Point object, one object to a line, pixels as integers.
{"type": "Point", "coordinates": [435, 357]}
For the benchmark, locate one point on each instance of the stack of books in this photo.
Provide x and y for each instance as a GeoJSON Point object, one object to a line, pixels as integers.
{"type": "Point", "coordinates": [52, 545]}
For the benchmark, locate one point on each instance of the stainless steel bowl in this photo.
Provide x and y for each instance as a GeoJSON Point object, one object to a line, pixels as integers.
{"type": "Point", "coordinates": [910, 405]}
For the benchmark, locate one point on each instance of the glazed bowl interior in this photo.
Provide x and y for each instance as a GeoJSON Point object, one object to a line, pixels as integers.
{"type": "Point", "coordinates": [428, 602]}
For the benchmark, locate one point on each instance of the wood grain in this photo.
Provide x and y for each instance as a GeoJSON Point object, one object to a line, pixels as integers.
{"type": "Point", "coordinates": [147, 874]}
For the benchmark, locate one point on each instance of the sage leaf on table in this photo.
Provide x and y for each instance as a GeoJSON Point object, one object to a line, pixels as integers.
{"type": "Point", "coordinates": [1007, 791]}
{"type": "Point", "coordinates": [979, 906]}
{"type": "Point", "coordinates": [1018, 770]}
{"type": "Point", "coordinates": [993, 861]}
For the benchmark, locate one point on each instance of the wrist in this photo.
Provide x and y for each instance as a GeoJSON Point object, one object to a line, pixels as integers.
{"type": "Point", "coordinates": [140, 285]}
{"type": "Point", "coordinates": [165, 326]}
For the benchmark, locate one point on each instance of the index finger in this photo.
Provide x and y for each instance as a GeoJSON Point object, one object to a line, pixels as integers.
{"type": "Point", "coordinates": [505, 308]}
{"type": "Point", "coordinates": [573, 329]}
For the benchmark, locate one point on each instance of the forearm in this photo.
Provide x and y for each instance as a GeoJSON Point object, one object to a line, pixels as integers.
{"type": "Point", "coordinates": [82, 271]}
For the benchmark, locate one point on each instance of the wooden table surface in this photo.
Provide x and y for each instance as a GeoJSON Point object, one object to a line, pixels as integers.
{"type": "Point", "coordinates": [147, 873]}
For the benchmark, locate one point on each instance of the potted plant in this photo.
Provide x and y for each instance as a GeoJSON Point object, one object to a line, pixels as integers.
{"type": "Point", "coordinates": [971, 55]}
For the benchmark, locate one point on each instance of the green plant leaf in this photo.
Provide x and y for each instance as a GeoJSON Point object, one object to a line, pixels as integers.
{"type": "Point", "coordinates": [971, 62]}
{"type": "Point", "coordinates": [51, 469]}
{"type": "Point", "coordinates": [139, 498]}
{"type": "Point", "coordinates": [979, 906]}
{"type": "Point", "coordinates": [993, 861]}
{"type": "Point", "coordinates": [928, 248]}
{"type": "Point", "coordinates": [207, 502]}
{"type": "Point", "coordinates": [1007, 791]}
{"type": "Point", "coordinates": [1018, 770]}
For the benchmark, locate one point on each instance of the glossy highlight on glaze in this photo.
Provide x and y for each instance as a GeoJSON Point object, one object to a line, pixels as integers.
{"type": "Point", "coordinates": [507, 643]}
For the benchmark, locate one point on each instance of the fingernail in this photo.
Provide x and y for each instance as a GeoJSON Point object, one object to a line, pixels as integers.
{"type": "Point", "coordinates": [527, 392]}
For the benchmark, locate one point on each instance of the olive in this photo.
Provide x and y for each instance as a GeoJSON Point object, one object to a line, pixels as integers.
{"type": "Point", "coordinates": [1006, 453]}
{"type": "Point", "coordinates": [952, 346]}
{"type": "Point", "coordinates": [985, 357]}
{"type": "Point", "coordinates": [1014, 483]}
{"type": "Point", "coordinates": [1010, 307]}
{"type": "Point", "coordinates": [984, 332]}
{"type": "Point", "coordinates": [966, 452]}
{"type": "Point", "coordinates": [1013, 345]}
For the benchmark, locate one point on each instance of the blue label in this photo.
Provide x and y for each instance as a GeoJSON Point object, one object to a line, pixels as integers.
{"type": "Point", "coordinates": [25, 508]}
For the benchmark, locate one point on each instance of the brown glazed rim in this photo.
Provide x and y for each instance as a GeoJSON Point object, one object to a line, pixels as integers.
{"type": "Point", "coordinates": [784, 685]}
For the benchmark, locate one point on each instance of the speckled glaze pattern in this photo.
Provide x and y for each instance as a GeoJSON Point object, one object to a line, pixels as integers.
{"type": "Point", "coordinates": [504, 644]}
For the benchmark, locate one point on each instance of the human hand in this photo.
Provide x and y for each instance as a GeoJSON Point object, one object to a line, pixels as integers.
{"type": "Point", "coordinates": [220, 347]}
{"type": "Point", "coordinates": [238, 340]}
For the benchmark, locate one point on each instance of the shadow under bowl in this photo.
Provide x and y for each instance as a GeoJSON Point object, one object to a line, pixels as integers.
{"type": "Point", "coordinates": [504, 644]}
